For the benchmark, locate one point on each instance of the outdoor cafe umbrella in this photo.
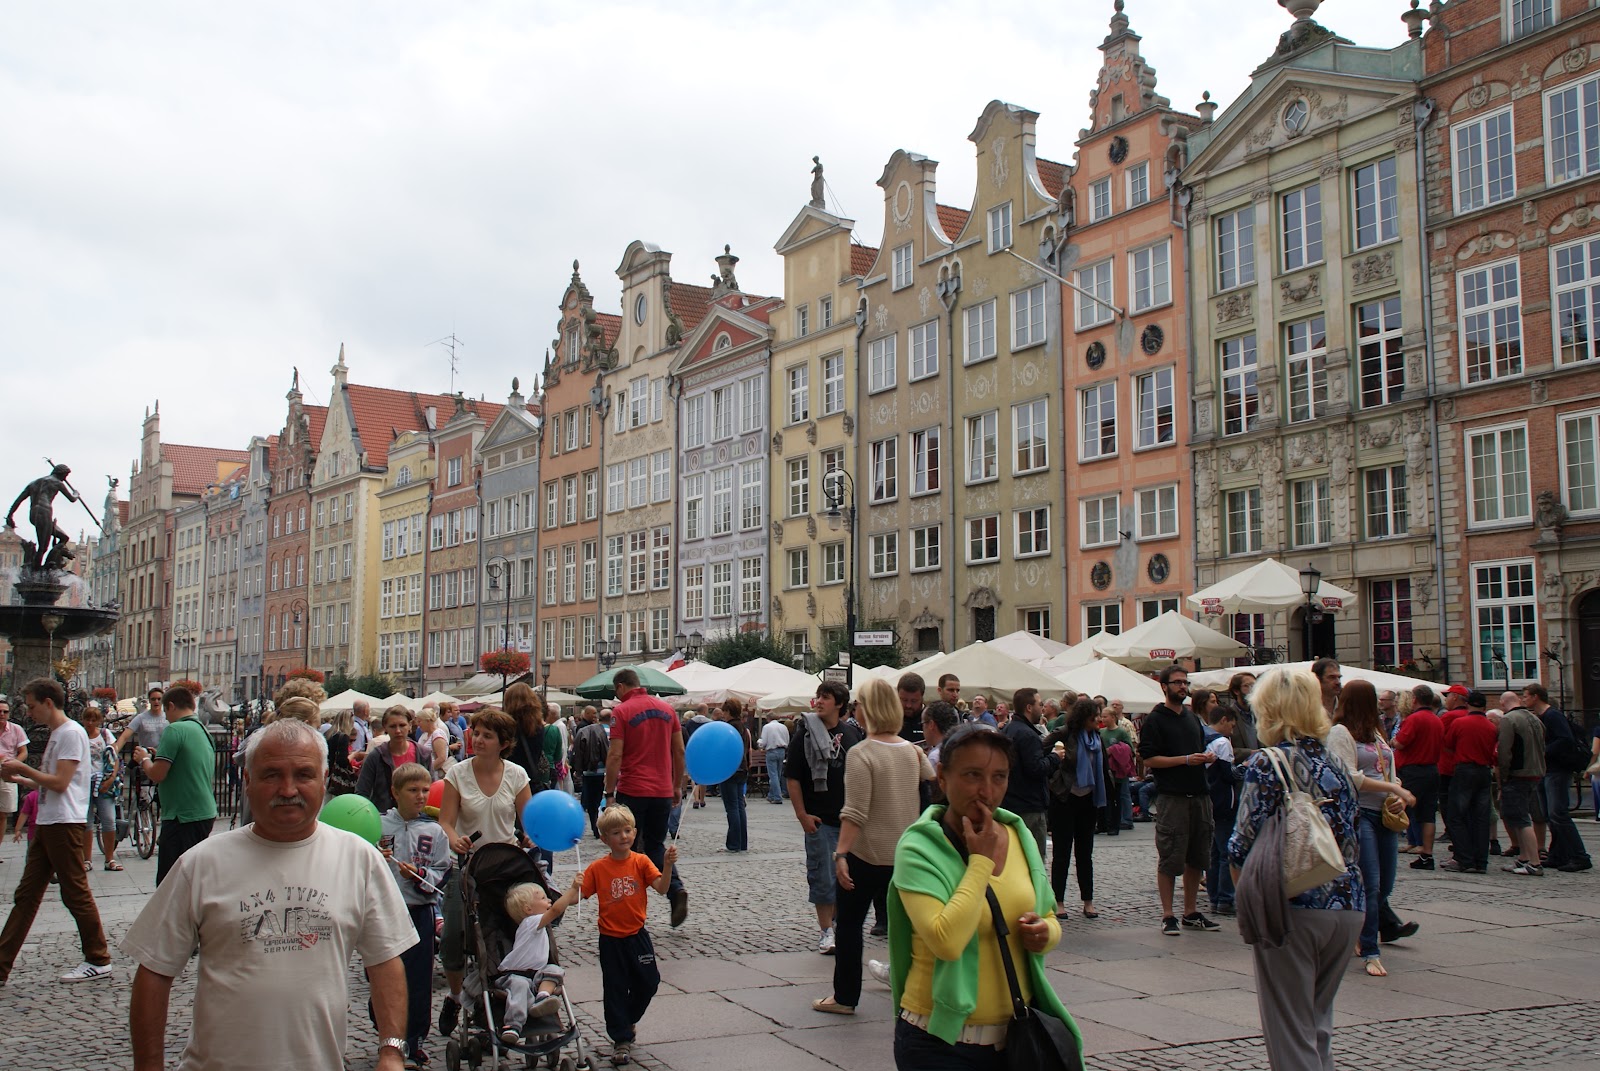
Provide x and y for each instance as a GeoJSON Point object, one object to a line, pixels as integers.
{"type": "Point", "coordinates": [1165, 639]}
{"type": "Point", "coordinates": [1114, 681]}
{"type": "Point", "coordinates": [1028, 647]}
{"type": "Point", "coordinates": [655, 682]}
{"type": "Point", "coordinates": [1266, 586]}
{"type": "Point", "coordinates": [1079, 654]}
{"type": "Point", "coordinates": [346, 700]}
{"type": "Point", "coordinates": [982, 668]}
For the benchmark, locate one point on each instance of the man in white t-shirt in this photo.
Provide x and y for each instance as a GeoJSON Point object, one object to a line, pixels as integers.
{"type": "Point", "coordinates": [62, 836]}
{"type": "Point", "coordinates": [275, 909]}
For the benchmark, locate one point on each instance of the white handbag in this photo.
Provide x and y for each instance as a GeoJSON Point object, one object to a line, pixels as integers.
{"type": "Point", "coordinates": [1311, 853]}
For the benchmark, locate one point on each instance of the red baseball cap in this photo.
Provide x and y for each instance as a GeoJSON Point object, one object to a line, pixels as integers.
{"type": "Point", "coordinates": [1457, 689]}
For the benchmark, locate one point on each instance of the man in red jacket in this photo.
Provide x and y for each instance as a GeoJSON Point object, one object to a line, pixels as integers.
{"type": "Point", "coordinates": [1473, 741]}
{"type": "Point", "coordinates": [1416, 750]}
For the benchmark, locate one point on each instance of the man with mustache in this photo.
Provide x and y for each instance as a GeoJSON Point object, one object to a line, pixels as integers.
{"type": "Point", "coordinates": [275, 909]}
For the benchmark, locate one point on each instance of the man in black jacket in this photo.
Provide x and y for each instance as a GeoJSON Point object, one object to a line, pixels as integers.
{"type": "Point", "coordinates": [1028, 793]}
{"type": "Point", "coordinates": [1173, 747]}
{"type": "Point", "coordinates": [1564, 756]}
{"type": "Point", "coordinates": [589, 748]}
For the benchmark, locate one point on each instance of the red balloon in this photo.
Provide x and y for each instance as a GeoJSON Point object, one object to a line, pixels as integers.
{"type": "Point", "coordinates": [435, 798]}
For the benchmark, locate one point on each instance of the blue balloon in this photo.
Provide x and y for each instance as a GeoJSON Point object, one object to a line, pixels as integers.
{"type": "Point", "coordinates": [553, 820]}
{"type": "Point", "coordinates": [714, 753]}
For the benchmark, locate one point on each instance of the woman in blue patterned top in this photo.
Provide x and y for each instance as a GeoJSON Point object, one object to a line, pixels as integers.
{"type": "Point", "coordinates": [1296, 983]}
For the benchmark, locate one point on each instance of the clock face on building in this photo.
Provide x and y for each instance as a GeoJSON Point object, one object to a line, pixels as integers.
{"type": "Point", "coordinates": [1119, 149]}
{"type": "Point", "coordinates": [641, 305]}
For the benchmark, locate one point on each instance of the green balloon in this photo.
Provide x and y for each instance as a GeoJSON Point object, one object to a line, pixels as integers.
{"type": "Point", "coordinates": [353, 814]}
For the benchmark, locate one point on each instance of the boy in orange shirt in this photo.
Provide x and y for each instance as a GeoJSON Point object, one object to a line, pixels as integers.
{"type": "Point", "coordinates": [622, 881]}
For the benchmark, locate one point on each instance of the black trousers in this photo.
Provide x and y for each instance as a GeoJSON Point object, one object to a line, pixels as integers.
{"type": "Point", "coordinates": [594, 787]}
{"type": "Point", "coordinates": [1072, 822]}
{"type": "Point", "coordinates": [650, 814]}
{"type": "Point", "coordinates": [853, 905]}
{"type": "Point", "coordinates": [177, 838]}
{"type": "Point", "coordinates": [1469, 815]}
{"type": "Point", "coordinates": [629, 976]}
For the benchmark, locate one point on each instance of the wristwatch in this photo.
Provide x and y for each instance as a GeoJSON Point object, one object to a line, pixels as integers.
{"type": "Point", "coordinates": [393, 1043]}
{"type": "Point", "coordinates": [840, 855]}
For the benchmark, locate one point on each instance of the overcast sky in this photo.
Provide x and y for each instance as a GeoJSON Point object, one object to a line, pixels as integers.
{"type": "Point", "coordinates": [195, 198]}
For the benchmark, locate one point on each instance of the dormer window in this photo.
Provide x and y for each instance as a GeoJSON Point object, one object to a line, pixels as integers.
{"type": "Point", "coordinates": [723, 341]}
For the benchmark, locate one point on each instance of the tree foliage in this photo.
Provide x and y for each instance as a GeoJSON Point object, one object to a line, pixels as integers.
{"type": "Point", "coordinates": [865, 657]}
{"type": "Point", "coordinates": [378, 685]}
{"type": "Point", "coordinates": [737, 648]}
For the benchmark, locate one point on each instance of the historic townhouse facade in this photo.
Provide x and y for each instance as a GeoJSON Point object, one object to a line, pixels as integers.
{"type": "Point", "coordinates": [453, 565]}
{"type": "Point", "coordinates": [287, 604]}
{"type": "Point", "coordinates": [224, 582]}
{"type": "Point", "coordinates": [1129, 524]}
{"type": "Point", "coordinates": [403, 557]}
{"type": "Point", "coordinates": [508, 533]}
{"type": "Point", "coordinates": [1513, 152]}
{"type": "Point", "coordinates": [188, 588]}
{"type": "Point", "coordinates": [1311, 382]}
{"type": "Point", "coordinates": [255, 498]}
{"type": "Point", "coordinates": [813, 411]}
{"type": "Point", "coordinates": [720, 382]}
{"type": "Point", "coordinates": [571, 438]}
{"type": "Point", "coordinates": [99, 652]}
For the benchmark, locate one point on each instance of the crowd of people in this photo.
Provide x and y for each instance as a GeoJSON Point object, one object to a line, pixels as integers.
{"type": "Point", "coordinates": [909, 812]}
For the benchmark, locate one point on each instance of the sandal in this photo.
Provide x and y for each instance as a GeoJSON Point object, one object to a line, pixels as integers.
{"type": "Point", "coordinates": [831, 1006]}
{"type": "Point", "coordinates": [112, 864]}
{"type": "Point", "coordinates": [1375, 968]}
{"type": "Point", "coordinates": [1089, 914]}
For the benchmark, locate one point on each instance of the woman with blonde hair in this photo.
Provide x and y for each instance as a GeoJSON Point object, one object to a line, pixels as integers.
{"type": "Point", "coordinates": [882, 778]}
{"type": "Point", "coordinates": [1296, 983]}
{"type": "Point", "coordinates": [435, 740]}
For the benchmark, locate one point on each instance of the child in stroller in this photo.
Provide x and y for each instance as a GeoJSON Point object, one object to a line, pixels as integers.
{"type": "Point", "coordinates": [528, 963]}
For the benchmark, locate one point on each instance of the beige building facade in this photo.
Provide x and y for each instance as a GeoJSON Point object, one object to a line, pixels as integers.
{"type": "Point", "coordinates": [403, 535]}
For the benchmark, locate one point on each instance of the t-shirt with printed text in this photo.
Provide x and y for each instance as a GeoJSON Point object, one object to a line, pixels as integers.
{"type": "Point", "coordinates": [623, 889]}
{"type": "Point", "coordinates": [645, 725]}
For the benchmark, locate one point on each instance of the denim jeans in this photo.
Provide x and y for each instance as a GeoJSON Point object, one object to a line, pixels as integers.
{"type": "Point", "coordinates": [1380, 848]}
{"type": "Point", "coordinates": [1125, 796]}
{"type": "Point", "coordinates": [1147, 795]}
{"type": "Point", "coordinates": [733, 801]}
{"type": "Point", "coordinates": [1219, 875]}
{"type": "Point", "coordinates": [917, 1050]}
{"type": "Point", "coordinates": [1566, 844]}
{"type": "Point", "coordinates": [777, 791]}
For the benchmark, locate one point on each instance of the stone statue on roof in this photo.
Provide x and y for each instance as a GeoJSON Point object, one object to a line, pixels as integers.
{"type": "Point", "coordinates": [817, 199]}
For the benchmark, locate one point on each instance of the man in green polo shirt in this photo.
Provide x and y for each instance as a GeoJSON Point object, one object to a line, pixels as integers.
{"type": "Point", "coordinates": [181, 768]}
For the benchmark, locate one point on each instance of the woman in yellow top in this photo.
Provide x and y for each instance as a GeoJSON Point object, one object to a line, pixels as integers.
{"type": "Point", "coordinates": [946, 973]}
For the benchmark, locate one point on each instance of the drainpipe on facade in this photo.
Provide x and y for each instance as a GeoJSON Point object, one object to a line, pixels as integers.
{"type": "Point", "coordinates": [853, 587]}
{"type": "Point", "coordinates": [1424, 110]}
{"type": "Point", "coordinates": [949, 291]}
{"type": "Point", "coordinates": [601, 402]}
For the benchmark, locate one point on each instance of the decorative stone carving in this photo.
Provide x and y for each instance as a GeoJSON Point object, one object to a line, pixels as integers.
{"type": "Point", "coordinates": [999, 169]}
{"type": "Point", "coordinates": [849, 424]}
{"type": "Point", "coordinates": [811, 527]}
{"type": "Point", "coordinates": [1151, 339]}
{"type": "Point", "coordinates": [1270, 465]}
{"type": "Point", "coordinates": [1580, 216]}
{"type": "Point", "coordinates": [924, 299]}
{"type": "Point", "coordinates": [777, 532]}
{"type": "Point", "coordinates": [811, 432]}
{"type": "Point", "coordinates": [880, 316]}
{"type": "Point", "coordinates": [1575, 60]}
{"type": "Point", "coordinates": [981, 598]}
{"type": "Point", "coordinates": [1540, 391]}
{"type": "Point", "coordinates": [777, 606]}
{"type": "Point", "coordinates": [1340, 474]}
{"type": "Point", "coordinates": [1235, 306]}
{"type": "Point", "coordinates": [1240, 459]}
{"type": "Point", "coordinates": [777, 441]}
{"type": "Point", "coordinates": [1378, 434]}
{"type": "Point", "coordinates": [1202, 415]}
{"type": "Point", "coordinates": [1309, 289]}
{"type": "Point", "coordinates": [1486, 245]}
{"type": "Point", "coordinates": [1422, 590]}
{"type": "Point", "coordinates": [1555, 588]}
{"type": "Point", "coordinates": [1447, 408]}
{"type": "Point", "coordinates": [1551, 514]}
{"type": "Point", "coordinates": [811, 604]}
{"type": "Point", "coordinates": [1373, 268]}
{"type": "Point", "coordinates": [1478, 96]}
{"type": "Point", "coordinates": [1100, 575]}
{"type": "Point", "coordinates": [1306, 450]}
{"type": "Point", "coordinates": [1205, 500]}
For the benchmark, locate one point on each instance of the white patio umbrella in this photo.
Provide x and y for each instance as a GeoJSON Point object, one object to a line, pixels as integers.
{"type": "Point", "coordinates": [984, 669]}
{"type": "Point", "coordinates": [1114, 681]}
{"type": "Point", "coordinates": [1079, 654]}
{"type": "Point", "coordinates": [1028, 647]}
{"type": "Point", "coordinates": [346, 700]}
{"type": "Point", "coordinates": [1162, 640]}
{"type": "Point", "coordinates": [1218, 678]}
{"type": "Point", "coordinates": [399, 699]}
{"type": "Point", "coordinates": [747, 682]}
{"type": "Point", "coordinates": [437, 698]}
{"type": "Point", "coordinates": [1266, 586]}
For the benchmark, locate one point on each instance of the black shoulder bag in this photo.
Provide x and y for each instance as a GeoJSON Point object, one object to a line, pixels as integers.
{"type": "Point", "coordinates": [1035, 1040]}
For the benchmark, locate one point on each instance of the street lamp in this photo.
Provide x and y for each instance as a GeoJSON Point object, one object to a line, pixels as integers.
{"type": "Point", "coordinates": [690, 645]}
{"type": "Point", "coordinates": [495, 570]}
{"type": "Point", "coordinates": [605, 652]}
{"type": "Point", "coordinates": [544, 678]}
{"type": "Point", "coordinates": [1310, 579]}
{"type": "Point", "coordinates": [839, 494]}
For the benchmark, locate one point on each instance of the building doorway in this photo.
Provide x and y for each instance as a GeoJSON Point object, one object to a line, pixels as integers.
{"type": "Point", "coordinates": [1323, 643]}
{"type": "Point", "coordinates": [1589, 650]}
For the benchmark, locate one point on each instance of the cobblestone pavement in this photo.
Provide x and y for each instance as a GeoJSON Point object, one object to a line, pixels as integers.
{"type": "Point", "coordinates": [1503, 971]}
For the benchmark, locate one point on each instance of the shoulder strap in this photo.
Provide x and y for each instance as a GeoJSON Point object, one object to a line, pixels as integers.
{"type": "Point", "coordinates": [1019, 1008]}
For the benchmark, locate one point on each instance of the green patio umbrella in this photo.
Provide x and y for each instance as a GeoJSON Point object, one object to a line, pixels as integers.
{"type": "Point", "coordinates": [653, 681]}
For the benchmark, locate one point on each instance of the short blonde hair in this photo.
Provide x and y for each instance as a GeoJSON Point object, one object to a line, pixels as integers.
{"type": "Point", "coordinates": [879, 707]}
{"type": "Point", "coordinates": [1288, 706]}
{"type": "Point", "coordinates": [522, 899]}
{"type": "Point", "coordinates": [300, 708]}
{"type": "Point", "coordinates": [299, 687]}
{"type": "Point", "coordinates": [409, 773]}
{"type": "Point", "coordinates": [615, 816]}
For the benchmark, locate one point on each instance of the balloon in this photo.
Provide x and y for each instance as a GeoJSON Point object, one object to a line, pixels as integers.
{"type": "Point", "coordinates": [553, 820]}
{"type": "Point", "coordinates": [354, 814]}
{"type": "Point", "coordinates": [714, 753]}
{"type": "Point", "coordinates": [435, 799]}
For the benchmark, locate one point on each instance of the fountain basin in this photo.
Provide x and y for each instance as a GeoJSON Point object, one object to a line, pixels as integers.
{"type": "Point", "coordinates": [26, 623]}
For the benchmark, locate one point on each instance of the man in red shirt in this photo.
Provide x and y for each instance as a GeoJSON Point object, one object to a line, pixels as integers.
{"type": "Point", "coordinates": [644, 772]}
{"type": "Point", "coordinates": [1473, 741]}
{"type": "Point", "coordinates": [1416, 755]}
{"type": "Point", "coordinates": [1455, 705]}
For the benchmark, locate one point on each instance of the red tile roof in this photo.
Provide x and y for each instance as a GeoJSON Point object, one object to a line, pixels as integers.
{"type": "Point", "coordinates": [691, 303]}
{"type": "Point", "coordinates": [610, 327]}
{"type": "Point", "coordinates": [951, 220]}
{"type": "Point", "coordinates": [317, 417]}
{"type": "Point", "coordinates": [122, 511]}
{"type": "Point", "coordinates": [196, 467]}
{"type": "Point", "coordinates": [1053, 175]}
{"type": "Point", "coordinates": [862, 258]}
{"type": "Point", "coordinates": [380, 412]}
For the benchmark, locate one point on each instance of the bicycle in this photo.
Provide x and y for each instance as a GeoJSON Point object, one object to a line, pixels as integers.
{"type": "Point", "coordinates": [144, 813]}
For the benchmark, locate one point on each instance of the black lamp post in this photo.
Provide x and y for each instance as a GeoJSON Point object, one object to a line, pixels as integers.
{"type": "Point", "coordinates": [605, 652]}
{"type": "Point", "coordinates": [839, 493]}
{"type": "Point", "coordinates": [500, 565]}
{"type": "Point", "coordinates": [1310, 579]}
{"type": "Point", "coordinates": [690, 645]}
{"type": "Point", "coordinates": [544, 678]}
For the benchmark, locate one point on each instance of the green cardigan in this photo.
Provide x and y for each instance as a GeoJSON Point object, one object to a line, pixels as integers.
{"type": "Point", "coordinates": [926, 862]}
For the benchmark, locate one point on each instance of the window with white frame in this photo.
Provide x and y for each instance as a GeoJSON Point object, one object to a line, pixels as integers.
{"type": "Point", "coordinates": [1099, 199]}
{"type": "Point", "coordinates": [1095, 294]}
{"type": "Point", "coordinates": [925, 555]}
{"type": "Point", "coordinates": [980, 332]}
{"type": "Point", "coordinates": [638, 482]}
{"type": "Point", "coordinates": [832, 459]}
{"type": "Point", "coordinates": [723, 404]}
{"type": "Point", "coordinates": [833, 384]}
{"type": "Point", "coordinates": [983, 447]}
{"type": "Point", "coordinates": [572, 429]}
{"type": "Point", "coordinates": [453, 475]}
{"type": "Point", "coordinates": [1580, 487]}
{"type": "Point", "coordinates": [833, 563]}
{"type": "Point", "coordinates": [925, 460]}
{"type": "Point", "coordinates": [1097, 407]}
{"type": "Point", "coordinates": [1154, 398]}
{"type": "Point", "coordinates": [884, 551]}
{"type": "Point", "coordinates": [1312, 504]}
{"type": "Point", "coordinates": [1484, 166]}
{"type": "Point", "coordinates": [1507, 618]}
{"type": "Point", "coordinates": [1032, 528]}
{"type": "Point", "coordinates": [1100, 518]}
{"type": "Point", "coordinates": [1000, 227]}
{"type": "Point", "coordinates": [798, 573]}
{"type": "Point", "coordinates": [587, 627]}
{"type": "Point", "coordinates": [1241, 520]}
{"type": "Point", "coordinates": [1138, 184]}
{"type": "Point", "coordinates": [660, 558]}
{"type": "Point", "coordinates": [825, 311]}
{"type": "Point", "coordinates": [799, 394]}
{"type": "Point", "coordinates": [694, 422]}
{"type": "Point", "coordinates": [752, 404]}
{"type": "Point", "coordinates": [1572, 114]}
{"type": "Point", "coordinates": [802, 321]}
{"type": "Point", "coordinates": [638, 636]}
{"type": "Point", "coordinates": [721, 589]}
{"type": "Point", "coordinates": [882, 364]}
{"type": "Point", "coordinates": [1530, 16]}
{"type": "Point", "coordinates": [638, 402]}
{"type": "Point", "coordinates": [924, 351]}
{"type": "Point", "coordinates": [1385, 493]}
{"type": "Point", "coordinates": [1158, 512]}
{"type": "Point", "coordinates": [1027, 317]}
{"type": "Point", "coordinates": [1491, 322]}
{"type": "Point", "coordinates": [1300, 226]}
{"type": "Point", "coordinates": [1236, 248]}
{"type": "Point", "coordinates": [1248, 629]}
{"type": "Point", "coordinates": [983, 539]}
{"type": "Point", "coordinates": [1380, 354]}
{"type": "Point", "coordinates": [1577, 287]}
{"type": "Point", "coordinates": [1497, 468]}
{"type": "Point", "coordinates": [569, 500]}
{"type": "Point", "coordinates": [569, 637]}
{"type": "Point", "coordinates": [616, 487]}
{"type": "Point", "coordinates": [901, 261]}
{"type": "Point", "coordinates": [694, 505]}
{"type": "Point", "coordinates": [569, 573]}
{"type": "Point", "coordinates": [694, 592]}
{"type": "Point", "coordinates": [1035, 621]}
{"type": "Point", "coordinates": [661, 476]}
{"type": "Point", "coordinates": [1150, 276]}
{"type": "Point", "coordinates": [1102, 617]}
{"type": "Point", "coordinates": [591, 552]}
{"type": "Point", "coordinates": [800, 651]}
{"type": "Point", "coordinates": [1377, 202]}
{"type": "Point", "coordinates": [1305, 347]}
{"type": "Point", "coordinates": [750, 585]}
{"type": "Point", "coordinates": [1390, 618]}
{"type": "Point", "coordinates": [799, 470]}
{"type": "Point", "coordinates": [884, 460]}
{"type": "Point", "coordinates": [1030, 436]}
{"type": "Point", "coordinates": [722, 501]}
{"type": "Point", "coordinates": [1240, 400]}
{"type": "Point", "coordinates": [752, 495]}
{"type": "Point", "coordinates": [1150, 609]}
{"type": "Point", "coordinates": [552, 575]}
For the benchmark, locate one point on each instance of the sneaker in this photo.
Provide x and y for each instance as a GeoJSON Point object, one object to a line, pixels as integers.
{"type": "Point", "coordinates": [86, 972]}
{"type": "Point", "coordinates": [543, 1004]}
{"type": "Point", "coordinates": [509, 1036]}
{"type": "Point", "coordinates": [879, 970]}
{"type": "Point", "coordinates": [1422, 862]}
{"type": "Point", "coordinates": [449, 1015]}
{"type": "Point", "coordinates": [1576, 866]}
{"type": "Point", "coordinates": [825, 942]}
{"type": "Point", "coordinates": [621, 1053]}
{"type": "Point", "coordinates": [1198, 921]}
{"type": "Point", "coordinates": [1169, 926]}
{"type": "Point", "coordinates": [1226, 910]}
{"type": "Point", "coordinates": [879, 929]}
{"type": "Point", "coordinates": [1525, 870]}
{"type": "Point", "coordinates": [1454, 867]}
{"type": "Point", "coordinates": [680, 907]}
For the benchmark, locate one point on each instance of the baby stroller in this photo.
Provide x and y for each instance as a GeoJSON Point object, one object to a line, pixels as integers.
{"type": "Point", "coordinates": [488, 934]}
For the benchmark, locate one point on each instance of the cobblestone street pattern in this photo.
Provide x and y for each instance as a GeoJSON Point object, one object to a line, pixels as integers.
{"type": "Point", "coordinates": [1504, 973]}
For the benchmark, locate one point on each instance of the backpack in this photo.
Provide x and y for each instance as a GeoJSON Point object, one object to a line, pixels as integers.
{"type": "Point", "coordinates": [1119, 758]}
{"type": "Point", "coordinates": [1567, 750]}
{"type": "Point", "coordinates": [1311, 853]}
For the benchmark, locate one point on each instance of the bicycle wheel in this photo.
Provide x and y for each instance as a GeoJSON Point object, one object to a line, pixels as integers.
{"type": "Point", "coordinates": [144, 828]}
